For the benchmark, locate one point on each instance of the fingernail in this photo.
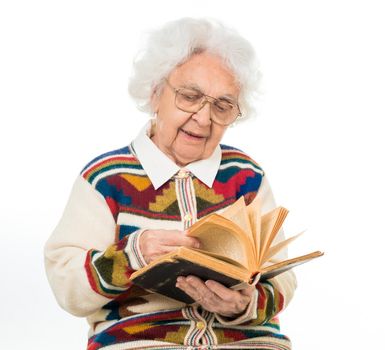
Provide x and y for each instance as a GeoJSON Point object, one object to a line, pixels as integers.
{"type": "Point", "coordinates": [208, 283]}
{"type": "Point", "coordinates": [197, 245]}
{"type": "Point", "coordinates": [189, 279]}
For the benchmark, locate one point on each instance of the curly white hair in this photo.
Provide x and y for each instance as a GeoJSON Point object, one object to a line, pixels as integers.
{"type": "Point", "coordinates": [176, 41]}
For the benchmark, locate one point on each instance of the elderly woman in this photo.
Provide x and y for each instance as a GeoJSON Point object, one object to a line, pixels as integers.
{"type": "Point", "coordinates": [131, 205]}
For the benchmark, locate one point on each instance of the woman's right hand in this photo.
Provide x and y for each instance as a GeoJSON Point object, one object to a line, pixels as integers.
{"type": "Point", "coordinates": [155, 243]}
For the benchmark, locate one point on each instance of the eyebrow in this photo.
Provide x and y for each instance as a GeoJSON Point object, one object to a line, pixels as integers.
{"type": "Point", "coordinates": [228, 97]}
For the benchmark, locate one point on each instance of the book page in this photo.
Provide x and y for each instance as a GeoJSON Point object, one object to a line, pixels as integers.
{"type": "Point", "coordinates": [267, 225]}
{"type": "Point", "coordinates": [278, 268]}
{"type": "Point", "coordinates": [270, 225]}
{"type": "Point", "coordinates": [219, 257]}
{"type": "Point", "coordinates": [237, 213]}
{"type": "Point", "coordinates": [278, 247]}
{"type": "Point", "coordinates": [221, 236]}
{"type": "Point", "coordinates": [254, 214]}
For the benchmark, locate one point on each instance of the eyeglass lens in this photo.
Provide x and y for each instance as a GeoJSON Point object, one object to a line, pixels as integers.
{"type": "Point", "coordinates": [190, 100]}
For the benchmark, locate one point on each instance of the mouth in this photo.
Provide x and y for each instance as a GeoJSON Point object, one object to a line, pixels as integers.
{"type": "Point", "coordinates": [193, 135]}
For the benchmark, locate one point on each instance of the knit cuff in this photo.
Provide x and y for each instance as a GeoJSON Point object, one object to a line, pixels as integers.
{"type": "Point", "coordinates": [249, 314]}
{"type": "Point", "coordinates": [133, 250]}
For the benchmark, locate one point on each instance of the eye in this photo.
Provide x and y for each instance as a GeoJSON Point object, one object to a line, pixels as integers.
{"type": "Point", "coordinates": [190, 95]}
{"type": "Point", "coordinates": [223, 106]}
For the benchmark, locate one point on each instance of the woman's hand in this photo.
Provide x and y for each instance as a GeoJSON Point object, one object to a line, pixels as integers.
{"type": "Point", "coordinates": [215, 297]}
{"type": "Point", "coordinates": [155, 243]}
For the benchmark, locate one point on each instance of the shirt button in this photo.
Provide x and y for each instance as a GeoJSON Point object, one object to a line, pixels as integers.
{"type": "Point", "coordinates": [182, 173]}
{"type": "Point", "coordinates": [187, 217]}
{"type": "Point", "coordinates": [200, 325]}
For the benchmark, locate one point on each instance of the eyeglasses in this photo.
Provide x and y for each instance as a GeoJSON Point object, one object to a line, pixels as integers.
{"type": "Point", "coordinates": [223, 112]}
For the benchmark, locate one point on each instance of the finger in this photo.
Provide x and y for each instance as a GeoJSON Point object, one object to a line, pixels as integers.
{"type": "Point", "coordinates": [207, 298]}
{"type": "Point", "coordinates": [235, 301]}
{"type": "Point", "coordinates": [195, 281]}
{"type": "Point", "coordinates": [160, 251]}
{"type": "Point", "coordinates": [177, 238]}
{"type": "Point", "coordinates": [195, 288]}
{"type": "Point", "coordinates": [192, 284]}
{"type": "Point", "coordinates": [165, 249]}
{"type": "Point", "coordinates": [248, 291]}
{"type": "Point", "coordinates": [198, 290]}
{"type": "Point", "coordinates": [188, 288]}
{"type": "Point", "coordinates": [223, 292]}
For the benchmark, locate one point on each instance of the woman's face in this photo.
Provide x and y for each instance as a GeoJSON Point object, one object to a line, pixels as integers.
{"type": "Point", "coordinates": [184, 136]}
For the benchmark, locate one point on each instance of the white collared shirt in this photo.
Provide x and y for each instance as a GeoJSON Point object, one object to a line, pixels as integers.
{"type": "Point", "coordinates": [161, 168]}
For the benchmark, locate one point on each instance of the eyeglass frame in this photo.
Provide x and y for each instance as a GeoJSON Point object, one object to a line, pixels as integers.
{"type": "Point", "coordinates": [206, 100]}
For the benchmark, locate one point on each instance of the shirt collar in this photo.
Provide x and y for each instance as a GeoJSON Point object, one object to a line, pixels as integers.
{"type": "Point", "coordinates": [160, 168]}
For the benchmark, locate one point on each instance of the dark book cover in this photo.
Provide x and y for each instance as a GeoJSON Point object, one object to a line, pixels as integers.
{"type": "Point", "coordinates": [161, 278]}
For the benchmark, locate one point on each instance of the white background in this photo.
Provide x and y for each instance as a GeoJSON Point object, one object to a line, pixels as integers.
{"type": "Point", "coordinates": [64, 68]}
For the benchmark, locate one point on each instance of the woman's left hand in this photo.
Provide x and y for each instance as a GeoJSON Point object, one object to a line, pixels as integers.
{"type": "Point", "coordinates": [215, 297]}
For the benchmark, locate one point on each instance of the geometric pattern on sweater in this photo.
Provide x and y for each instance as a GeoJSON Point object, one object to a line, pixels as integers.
{"type": "Point", "coordinates": [169, 328]}
{"type": "Point", "coordinates": [121, 180]}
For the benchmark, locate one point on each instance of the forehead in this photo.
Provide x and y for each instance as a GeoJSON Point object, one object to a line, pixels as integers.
{"type": "Point", "coordinates": [208, 73]}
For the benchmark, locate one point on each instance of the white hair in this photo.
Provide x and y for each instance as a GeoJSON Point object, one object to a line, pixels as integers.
{"type": "Point", "coordinates": [175, 42]}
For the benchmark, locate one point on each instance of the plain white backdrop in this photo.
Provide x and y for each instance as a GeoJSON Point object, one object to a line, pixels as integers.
{"type": "Point", "coordinates": [64, 68]}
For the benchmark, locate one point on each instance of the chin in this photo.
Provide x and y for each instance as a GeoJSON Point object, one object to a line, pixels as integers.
{"type": "Point", "coordinates": [184, 159]}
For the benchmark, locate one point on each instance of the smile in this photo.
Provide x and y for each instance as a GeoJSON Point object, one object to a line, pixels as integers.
{"type": "Point", "coordinates": [192, 135]}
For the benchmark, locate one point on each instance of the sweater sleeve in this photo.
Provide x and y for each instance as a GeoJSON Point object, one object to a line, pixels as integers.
{"type": "Point", "coordinates": [271, 296]}
{"type": "Point", "coordinates": [84, 266]}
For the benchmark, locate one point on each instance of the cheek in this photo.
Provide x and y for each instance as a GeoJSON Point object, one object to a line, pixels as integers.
{"type": "Point", "coordinates": [168, 128]}
{"type": "Point", "coordinates": [167, 133]}
{"type": "Point", "coordinates": [214, 140]}
{"type": "Point", "coordinates": [217, 133]}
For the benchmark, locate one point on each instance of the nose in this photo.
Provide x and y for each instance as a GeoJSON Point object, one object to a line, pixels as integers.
{"type": "Point", "coordinates": [203, 116]}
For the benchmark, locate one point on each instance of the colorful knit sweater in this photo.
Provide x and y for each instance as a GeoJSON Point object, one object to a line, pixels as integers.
{"type": "Point", "coordinates": [94, 249]}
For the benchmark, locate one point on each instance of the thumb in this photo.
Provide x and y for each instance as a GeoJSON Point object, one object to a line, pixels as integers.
{"type": "Point", "coordinates": [195, 241]}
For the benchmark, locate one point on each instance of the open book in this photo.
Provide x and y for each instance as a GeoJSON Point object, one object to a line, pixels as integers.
{"type": "Point", "coordinates": [238, 247]}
